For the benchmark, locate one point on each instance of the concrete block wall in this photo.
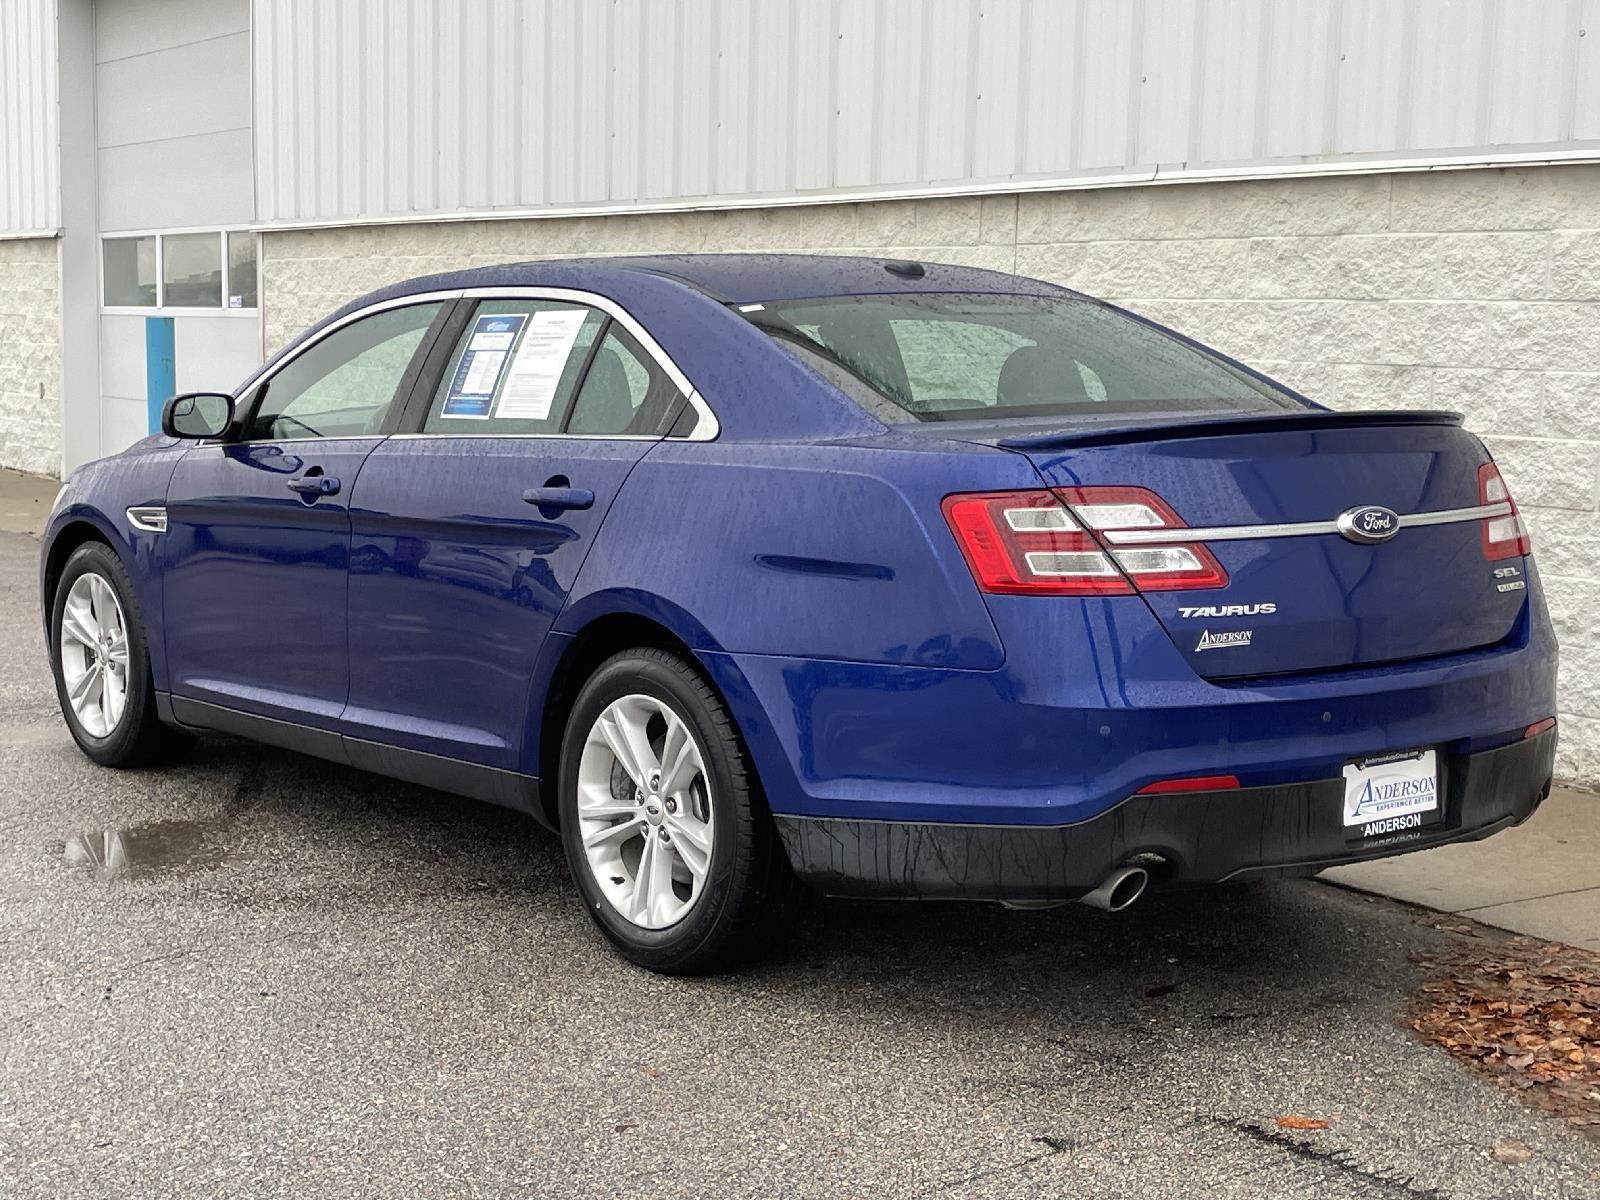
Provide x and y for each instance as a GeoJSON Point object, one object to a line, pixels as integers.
{"type": "Point", "coordinates": [1472, 290]}
{"type": "Point", "coordinates": [30, 356]}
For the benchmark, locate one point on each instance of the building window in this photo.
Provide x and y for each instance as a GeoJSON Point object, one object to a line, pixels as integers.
{"type": "Point", "coordinates": [189, 271]}
{"type": "Point", "coordinates": [241, 270]}
{"type": "Point", "coordinates": [130, 271]}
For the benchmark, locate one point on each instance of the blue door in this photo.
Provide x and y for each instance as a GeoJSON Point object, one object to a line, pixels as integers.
{"type": "Point", "coordinates": [469, 532]}
{"type": "Point", "coordinates": [256, 555]}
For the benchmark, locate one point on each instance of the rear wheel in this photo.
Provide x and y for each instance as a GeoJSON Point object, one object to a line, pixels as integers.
{"type": "Point", "coordinates": [665, 830]}
{"type": "Point", "coordinates": [102, 666]}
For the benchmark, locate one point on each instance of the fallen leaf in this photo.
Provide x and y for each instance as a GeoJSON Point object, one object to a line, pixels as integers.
{"type": "Point", "coordinates": [1524, 1012]}
{"type": "Point", "coordinates": [1511, 1152]}
{"type": "Point", "coordinates": [1161, 989]}
{"type": "Point", "coordinates": [1296, 1121]}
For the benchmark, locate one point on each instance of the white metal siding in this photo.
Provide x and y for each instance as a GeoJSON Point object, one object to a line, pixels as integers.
{"type": "Point", "coordinates": [374, 108]}
{"type": "Point", "coordinates": [172, 99]}
{"type": "Point", "coordinates": [30, 195]}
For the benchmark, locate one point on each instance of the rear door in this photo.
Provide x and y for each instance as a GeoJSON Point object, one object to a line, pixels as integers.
{"type": "Point", "coordinates": [470, 528]}
{"type": "Point", "coordinates": [258, 528]}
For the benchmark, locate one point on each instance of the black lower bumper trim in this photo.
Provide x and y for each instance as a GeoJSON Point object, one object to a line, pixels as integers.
{"type": "Point", "coordinates": [1203, 837]}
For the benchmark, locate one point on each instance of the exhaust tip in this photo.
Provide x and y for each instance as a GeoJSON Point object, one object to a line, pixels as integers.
{"type": "Point", "coordinates": [1119, 889]}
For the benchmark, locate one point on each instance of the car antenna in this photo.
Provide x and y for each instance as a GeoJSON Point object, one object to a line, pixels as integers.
{"type": "Point", "coordinates": [906, 270]}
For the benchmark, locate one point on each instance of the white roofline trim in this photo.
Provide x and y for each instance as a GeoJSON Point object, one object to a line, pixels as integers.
{"type": "Point", "coordinates": [1588, 153]}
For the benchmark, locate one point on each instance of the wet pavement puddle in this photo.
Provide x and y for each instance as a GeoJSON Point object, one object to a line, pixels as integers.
{"type": "Point", "coordinates": [158, 848]}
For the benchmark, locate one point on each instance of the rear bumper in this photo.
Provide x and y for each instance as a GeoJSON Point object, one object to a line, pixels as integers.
{"type": "Point", "coordinates": [1204, 837]}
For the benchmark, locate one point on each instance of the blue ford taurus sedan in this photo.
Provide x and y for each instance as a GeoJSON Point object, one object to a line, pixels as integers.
{"type": "Point", "coordinates": [894, 578]}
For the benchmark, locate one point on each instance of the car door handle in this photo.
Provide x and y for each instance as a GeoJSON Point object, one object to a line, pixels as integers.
{"type": "Point", "coordinates": [315, 485]}
{"type": "Point", "coordinates": [559, 497]}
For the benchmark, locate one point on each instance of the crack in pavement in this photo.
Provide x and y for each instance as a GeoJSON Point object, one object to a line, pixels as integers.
{"type": "Point", "coordinates": [1341, 1161]}
{"type": "Point", "coordinates": [1053, 1146]}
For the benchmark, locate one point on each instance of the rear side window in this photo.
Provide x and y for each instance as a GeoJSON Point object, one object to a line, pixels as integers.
{"type": "Point", "coordinates": [961, 356]}
{"type": "Point", "coordinates": [516, 368]}
{"type": "Point", "coordinates": [549, 367]}
{"type": "Point", "coordinates": [624, 392]}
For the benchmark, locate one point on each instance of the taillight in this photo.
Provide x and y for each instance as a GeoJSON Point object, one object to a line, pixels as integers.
{"type": "Point", "coordinates": [1504, 536]}
{"type": "Point", "coordinates": [1043, 543]}
{"type": "Point", "coordinates": [1157, 563]}
{"type": "Point", "coordinates": [1027, 543]}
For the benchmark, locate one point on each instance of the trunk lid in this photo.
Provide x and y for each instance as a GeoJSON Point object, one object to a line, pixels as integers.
{"type": "Point", "coordinates": [1308, 599]}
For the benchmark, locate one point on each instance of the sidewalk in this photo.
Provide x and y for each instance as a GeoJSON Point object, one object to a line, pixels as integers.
{"type": "Point", "coordinates": [1542, 878]}
{"type": "Point", "coordinates": [25, 501]}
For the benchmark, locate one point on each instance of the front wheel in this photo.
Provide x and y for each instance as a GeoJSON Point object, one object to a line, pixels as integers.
{"type": "Point", "coordinates": [665, 830]}
{"type": "Point", "coordinates": [101, 665]}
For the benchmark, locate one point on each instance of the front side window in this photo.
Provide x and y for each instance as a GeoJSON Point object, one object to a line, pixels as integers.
{"type": "Point", "coordinates": [344, 385]}
{"type": "Point", "coordinates": [964, 356]}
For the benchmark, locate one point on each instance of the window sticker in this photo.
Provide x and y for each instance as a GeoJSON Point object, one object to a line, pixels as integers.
{"type": "Point", "coordinates": [540, 359]}
{"type": "Point", "coordinates": [484, 362]}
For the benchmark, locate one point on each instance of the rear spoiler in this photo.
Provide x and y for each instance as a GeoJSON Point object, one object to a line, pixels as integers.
{"type": "Point", "coordinates": [1286, 422]}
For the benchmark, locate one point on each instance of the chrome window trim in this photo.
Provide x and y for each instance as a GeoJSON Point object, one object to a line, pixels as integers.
{"type": "Point", "coordinates": [706, 429]}
{"type": "Point", "coordinates": [150, 518]}
{"type": "Point", "coordinates": [460, 435]}
{"type": "Point", "coordinates": [268, 370]}
{"type": "Point", "coordinates": [1237, 533]}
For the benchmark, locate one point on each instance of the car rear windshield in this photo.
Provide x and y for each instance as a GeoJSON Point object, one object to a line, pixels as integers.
{"type": "Point", "coordinates": [960, 356]}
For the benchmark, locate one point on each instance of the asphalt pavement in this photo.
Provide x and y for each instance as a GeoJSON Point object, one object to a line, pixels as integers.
{"type": "Point", "coordinates": [254, 974]}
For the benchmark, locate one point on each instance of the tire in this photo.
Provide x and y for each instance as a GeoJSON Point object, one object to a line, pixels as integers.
{"type": "Point", "coordinates": [696, 923]}
{"type": "Point", "coordinates": [136, 737]}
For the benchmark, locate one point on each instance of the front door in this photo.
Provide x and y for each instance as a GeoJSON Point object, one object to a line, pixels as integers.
{"type": "Point", "coordinates": [469, 532]}
{"type": "Point", "coordinates": [256, 555]}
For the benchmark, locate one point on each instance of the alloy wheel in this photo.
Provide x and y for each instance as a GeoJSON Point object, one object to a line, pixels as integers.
{"type": "Point", "coordinates": [644, 811]}
{"type": "Point", "coordinates": [94, 654]}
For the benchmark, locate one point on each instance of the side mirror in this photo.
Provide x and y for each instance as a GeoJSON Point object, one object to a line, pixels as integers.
{"type": "Point", "coordinates": [197, 415]}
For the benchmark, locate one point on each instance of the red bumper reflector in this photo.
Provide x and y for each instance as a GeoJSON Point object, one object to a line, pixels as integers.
{"type": "Point", "coordinates": [1194, 783]}
{"type": "Point", "coordinates": [1539, 727]}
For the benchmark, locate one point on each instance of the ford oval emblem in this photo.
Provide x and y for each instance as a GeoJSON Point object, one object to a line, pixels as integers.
{"type": "Point", "coordinates": [1368, 524]}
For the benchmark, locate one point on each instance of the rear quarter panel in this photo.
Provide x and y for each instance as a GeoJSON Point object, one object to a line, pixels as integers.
{"type": "Point", "coordinates": [822, 551]}
{"type": "Point", "coordinates": [804, 558]}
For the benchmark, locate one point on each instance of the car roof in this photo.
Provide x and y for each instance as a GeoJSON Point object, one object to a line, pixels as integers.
{"type": "Point", "coordinates": [683, 301]}
{"type": "Point", "coordinates": [737, 278]}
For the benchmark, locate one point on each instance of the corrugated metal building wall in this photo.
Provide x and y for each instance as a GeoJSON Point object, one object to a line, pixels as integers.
{"type": "Point", "coordinates": [29, 171]}
{"type": "Point", "coordinates": [385, 108]}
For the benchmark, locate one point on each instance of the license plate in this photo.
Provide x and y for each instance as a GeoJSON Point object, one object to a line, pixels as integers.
{"type": "Point", "coordinates": [1391, 795]}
